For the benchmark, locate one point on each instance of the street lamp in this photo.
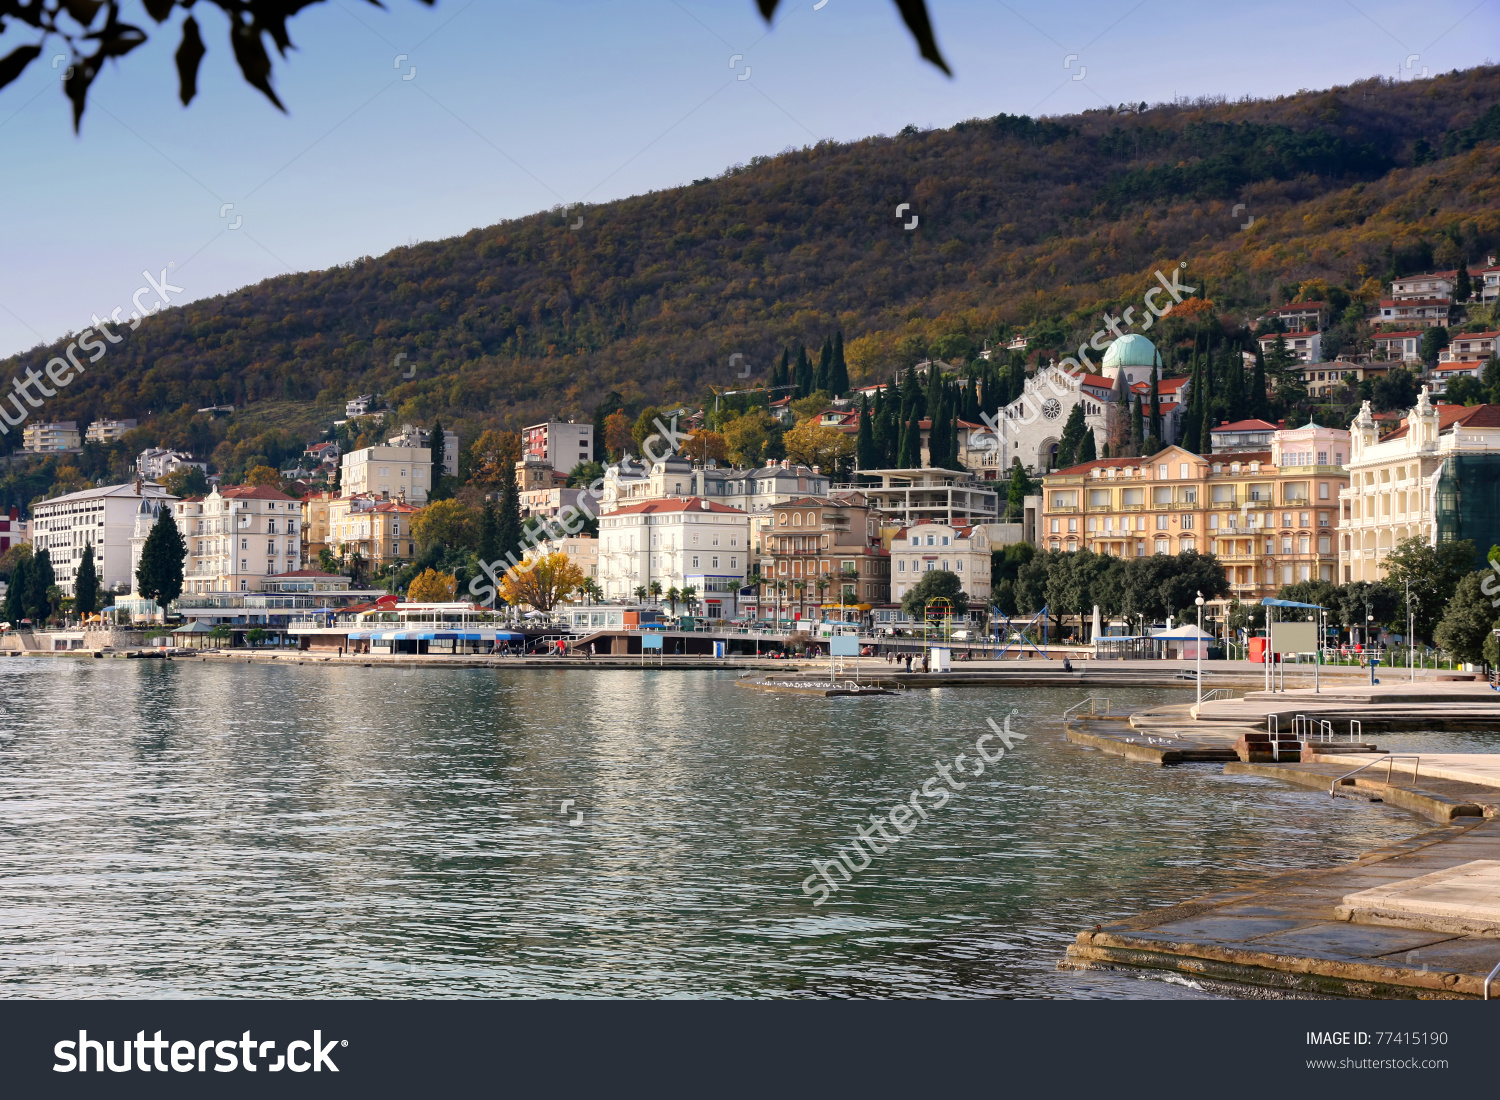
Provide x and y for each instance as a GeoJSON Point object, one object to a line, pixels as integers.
{"type": "Point", "coordinates": [1199, 602]}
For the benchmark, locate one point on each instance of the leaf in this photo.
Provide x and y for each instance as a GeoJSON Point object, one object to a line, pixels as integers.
{"type": "Point", "coordinates": [159, 9]}
{"type": "Point", "coordinates": [83, 10]}
{"type": "Point", "coordinates": [76, 86]}
{"type": "Point", "coordinates": [189, 54]}
{"type": "Point", "coordinates": [15, 61]}
{"type": "Point", "coordinates": [118, 39]}
{"type": "Point", "coordinates": [915, 14]}
{"type": "Point", "coordinates": [767, 8]}
{"type": "Point", "coordinates": [254, 63]}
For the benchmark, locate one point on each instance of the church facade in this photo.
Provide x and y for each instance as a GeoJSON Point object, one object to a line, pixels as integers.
{"type": "Point", "coordinates": [1030, 427]}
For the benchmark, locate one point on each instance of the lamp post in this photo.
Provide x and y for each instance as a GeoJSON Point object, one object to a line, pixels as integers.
{"type": "Point", "coordinates": [1199, 602]}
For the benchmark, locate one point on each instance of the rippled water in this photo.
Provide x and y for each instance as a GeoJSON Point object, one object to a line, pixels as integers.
{"type": "Point", "coordinates": [190, 829]}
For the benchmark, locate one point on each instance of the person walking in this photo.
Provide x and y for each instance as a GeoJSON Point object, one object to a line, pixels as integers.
{"type": "Point", "coordinates": [908, 663]}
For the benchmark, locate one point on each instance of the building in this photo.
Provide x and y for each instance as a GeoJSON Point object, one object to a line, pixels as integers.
{"type": "Point", "coordinates": [676, 543]}
{"type": "Point", "coordinates": [1420, 312]}
{"type": "Point", "coordinates": [1439, 376]}
{"type": "Point", "coordinates": [1031, 426]}
{"type": "Point", "coordinates": [412, 436]}
{"type": "Point", "coordinates": [316, 522]}
{"type": "Point", "coordinates": [361, 405]}
{"type": "Point", "coordinates": [60, 435]}
{"type": "Point", "coordinates": [107, 431]}
{"type": "Point", "coordinates": [929, 495]}
{"type": "Point", "coordinates": [562, 446]}
{"type": "Point", "coordinates": [964, 551]}
{"type": "Point", "coordinates": [237, 536]}
{"type": "Point", "coordinates": [1435, 284]}
{"type": "Point", "coordinates": [1487, 283]}
{"type": "Point", "coordinates": [581, 550]}
{"type": "Point", "coordinates": [104, 518]}
{"type": "Point", "coordinates": [1242, 435]}
{"type": "Point", "coordinates": [155, 463]}
{"type": "Point", "coordinates": [1305, 347]}
{"type": "Point", "coordinates": [1401, 347]}
{"type": "Point", "coordinates": [753, 491]}
{"type": "Point", "coordinates": [12, 529]}
{"type": "Point", "coordinates": [377, 529]}
{"type": "Point", "coordinates": [1469, 345]}
{"type": "Point", "coordinates": [822, 552]}
{"type": "Point", "coordinates": [400, 473]}
{"type": "Point", "coordinates": [1300, 316]}
{"type": "Point", "coordinates": [1269, 516]}
{"type": "Point", "coordinates": [1394, 481]}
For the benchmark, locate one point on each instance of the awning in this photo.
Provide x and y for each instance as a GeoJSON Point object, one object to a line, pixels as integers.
{"type": "Point", "coordinates": [1269, 602]}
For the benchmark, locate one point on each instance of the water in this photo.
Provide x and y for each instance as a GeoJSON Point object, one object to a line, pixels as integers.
{"type": "Point", "coordinates": [189, 829]}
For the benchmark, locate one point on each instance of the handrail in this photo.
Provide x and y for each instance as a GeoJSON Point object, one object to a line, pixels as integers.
{"type": "Point", "coordinates": [1389, 761]}
{"type": "Point", "coordinates": [1094, 709]}
{"type": "Point", "coordinates": [1489, 979]}
{"type": "Point", "coordinates": [1356, 722]}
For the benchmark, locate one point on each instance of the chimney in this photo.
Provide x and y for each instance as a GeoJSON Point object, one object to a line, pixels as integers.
{"type": "Point", "coordinates": [137, 486]}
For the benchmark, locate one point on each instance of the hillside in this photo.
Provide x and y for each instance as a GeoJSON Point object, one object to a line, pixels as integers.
{"type": "Point", "coordinates": [1024, 224]}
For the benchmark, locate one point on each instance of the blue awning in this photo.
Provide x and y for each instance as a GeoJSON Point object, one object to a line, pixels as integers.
{"type": "Point", "coordinates": [1269, 602]}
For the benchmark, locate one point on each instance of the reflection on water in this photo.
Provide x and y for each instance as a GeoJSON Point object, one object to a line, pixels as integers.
{"type": "Point", "coordinates": [190, 829]}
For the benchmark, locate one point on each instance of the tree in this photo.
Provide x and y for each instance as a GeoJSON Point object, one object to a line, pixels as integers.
{"type": "Point", "coordinates": [815, 444]}
{"type": "Point", "coordinates": [1468, 621]}
{"type": "Point", "coordinates": [1085, 448]}
{"type": "Point", "coordinates": [1397, 389]}
{"type": "Point", "coordinates": [508, 530]}
{"type": "Point", "coordinates": [584, 474]}
{"type": "Point", "coordinates": [754, 438]}
{"type": "Point", "coordinates": [251, 21]}
{"type": "Point", "coordinates": [493, 457]}
{"type": "Point", "coordinates": [1072, 435]}
{"type": "Point", "coordinates": [1434, 340]}
{"type": "Point", "coordinates": [838, 376]}
{"type": "Point", "coordinates": [706, 446]}
{"type": "Point", "coordinates": [255, 635]}
{"type": "Point", "coordinates": [655, 589]}
{"type": "Point", "coordinates": [864, 445]}
{"type": "Point", "coordinates": [1463, 290]}
{"type": "Point", "coordinates": [1154, 431]}
{"type": "Point", "coordinates": [159, 575]}
{"type": "Point", "coordinates": [488, 549]}
{"type": "Point", "coordinates": [263, 475]}
{"type": "Point", "coordinates": [86, 582]}
{"type": "Point", "coordinates": [1005, 569]}
{"type": "Point", "coordinates": [438, 446]}
{"type": "Point", "coordinates": [935, 584]}
{"type": "Point", "coordinates": [1464, 390]}
{"type": "Point", "coordinates": [448, 523]}
{"type": "Point", "coordinates": [186, 481]}
{"type": "Point", "coordinates": [617, 437]}
{"type": "Point", "coordinates": [1365, 605]}
{"type": "Point", "coordinates": [1433, 573]}
{"type": "Point", "coordinates": [1021, 487]}
{"type": "Point", "coordinates": [543, 582]}
{"type": "Point", "coordinates": [430, 586]}
{"type": "Point", "coordinates": [19, 590]}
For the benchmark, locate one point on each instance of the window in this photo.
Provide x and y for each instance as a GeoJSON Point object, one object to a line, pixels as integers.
{"type": "Point", "coordinates": [1323, 489]}
{"type": "Point", "coordinates": [1098, 498]}
{"type": "Point", "coordinates": [1302, 520]}
{"type": "Point", "coordinates": [1161, 523]}
{"type": "Point", "coordinates": [1303, 544]}
{"type": "Point", "coordinates": [1056, 525]}
{"type": "Point", "coordinates": [1185, 545]}
{"type": "Point", "coordinates": [1134, 497]}
{"type": "Point", "coordinates": [1161, 472]}
{"type": "Point", "coordinates": [1270, 545]}
{"type": "Point", "coordinates": [1187, 522]}
{"type": "Point", "coordinates": [931, 540]}
{"type": "Point", "coordinates": [1324, 544]}
{"type": "Point", "coordinates": [1286, 544]}
{"type": "Point", "coordinates": [714, 563]}
{"type": "Point", "coordinates": [1093, 521]}
{"type": "Point", "coordinates": [1140, 548]}
{"type": "Point", "coordinates": [929, 566]}
{"type": "Point", "coordinates": [1286, 519]}
{"type": "Point", "coordinates": [1163, 546]}
{"type": "Point", "coordinates": [1213, 522]}
{"type": "Point", "coordinates": [945, 540]}
{"type": "Point", "coordinates": [916, 540]}
{"type": "Point", "coordinates": [901, 566]}
{"type": "Point", "coordinates": [1182, 470]}
{"type": "Point", "coordinates": [1072, 524]}
{"type": "Point", "coordinates": [811, 519]}
{"type": "Point", "coordinates": [244, 544]}
{"type": "Point", "coordinates": [958, 566]}
{"type": "Point", "coordinates": [733, 561]}
{"type": "Point", "coordinates": [695, 561]}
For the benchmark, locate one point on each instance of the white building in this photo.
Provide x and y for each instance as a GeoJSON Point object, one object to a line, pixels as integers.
{"type": "Point", "coordinates": [562, 445]}
{"type": "Point", "coordinates": [107, 431]}
{"type": "Point", "coordinates": [60, 435]}
{"type": "Point", "coordinates": [962, 550]}
{"type": "Point", "coordinates": [104, 518]}
{"type": "Point", "coordinates": [676, 543]}
{"type": "Point", "coordinates": [930, 495]}
{"type": "Point", "coordinates": [1392, 493]}
{"type": "Point", "coordinates": [412, 436]}
{"type": "Point", "coordinates": [396, 473]}
{"type": "Point", "coordinates": [1305, 347]}
{"type": "Point", "coordinates": [238, 536]}
{"type": "Point", "coordinates": [359, 406]}
{"type": "Point", "coordinates": [155, 463]}
{"type": "Point", "coordinates": [1469, 345]}
{"type": "Point", "coordinates": [755, 491]}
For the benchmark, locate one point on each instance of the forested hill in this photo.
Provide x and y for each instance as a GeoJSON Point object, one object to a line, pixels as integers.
{"type": "Point", "coordinates": [1023, 223]}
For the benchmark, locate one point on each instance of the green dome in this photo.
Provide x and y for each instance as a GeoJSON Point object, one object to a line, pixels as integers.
{"type": "Point", "coordinates": [1132, 350]}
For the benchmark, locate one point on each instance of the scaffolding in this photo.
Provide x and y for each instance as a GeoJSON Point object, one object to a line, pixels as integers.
{"type": "Point", "coordinates": [1468, 502]}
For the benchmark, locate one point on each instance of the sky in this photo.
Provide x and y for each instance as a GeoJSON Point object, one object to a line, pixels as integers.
{"type": "Point", "coordinates": [415, 123]}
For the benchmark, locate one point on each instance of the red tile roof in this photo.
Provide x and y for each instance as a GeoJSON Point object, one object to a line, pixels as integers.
{"type": "Point", "coordinates": [1379, 336]}
{"type": "Point", "coordinates": [690, 504]}
{"type": "Point", "coordinates": [1470, 416]}
{"type": "Point", "coordinates": [1246, 426]}
{"type": "Point", "coordinates": [306, 573]}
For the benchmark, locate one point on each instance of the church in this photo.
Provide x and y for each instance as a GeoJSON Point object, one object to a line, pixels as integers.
{"type": "Point", "coordinates": [1031, 426]}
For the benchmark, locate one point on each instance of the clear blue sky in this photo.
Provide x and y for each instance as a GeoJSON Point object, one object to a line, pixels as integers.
{"type": "Point", "coordinates": [519, 106]}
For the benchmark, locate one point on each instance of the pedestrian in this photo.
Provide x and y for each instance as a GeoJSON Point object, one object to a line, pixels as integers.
{"type": "Point", "coordinates": [908, 662]}
{"type": "Point", "coordinates": [591, 651]}
{"type": "Point", "coordinates": [926, 654]}
{"type": "Point", "coordinates": [1067, 664]}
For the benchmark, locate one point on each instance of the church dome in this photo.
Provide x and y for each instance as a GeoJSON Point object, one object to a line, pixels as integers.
{"type": "Point", "coordinates": [1132, 350]}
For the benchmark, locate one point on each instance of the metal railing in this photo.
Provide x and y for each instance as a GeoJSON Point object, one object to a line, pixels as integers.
{"type": "Point", "coordinates": [1489, 979]}
{"type": "Point", "coordinates": [1093, 707]}
{"type": "Point", "coordinates": [1217, 693]}
{"type": "Point", "coordinates": [1389, 762]}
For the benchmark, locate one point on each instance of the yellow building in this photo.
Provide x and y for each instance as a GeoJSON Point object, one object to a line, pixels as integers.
{"type": "Point", "coordinates": [315, 523]}
{"type": "Point", "coordinates": [1269, 516]}
{"type": "Point", "coordinates": [378, 530]}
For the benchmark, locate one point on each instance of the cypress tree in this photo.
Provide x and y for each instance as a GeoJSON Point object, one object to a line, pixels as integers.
{"type": "Point", "coordinates": [781, 373]}
{"type": "Point", "coordinates": [1156, 404]}
{"type": "Point", "coordinates": [888, 429]}
{"type": "Point", "coordinates": [1015, 497]}
{"type": "Point", "coordinates": [1260, 407]}
{"type": "Point", "coordinates": [489, 534]}
{"type": "Point", "coordinates": [822, 379]}
{"type": "Point", "coordinates": [86, 584]}
{"type": "Point", "coordinates": [41, 578]}
{"type": "Point", "coordinates": [1136, 427]}
{"type": "Point", "coordinates": [159, 575]}
{"type": "Point", "coordinates": [437, 446]}
{"type": "Point", "coordinates": [1072, 435]}
{"type": "Point", "coordinates": [803, 376]}
{"type": "Point", "coordinates": [1463, 286]}
{"type": "Point", "coordinates": [1205, 439]}
{"type": "Point", "coordinates": [19, 591]}
{"type": "Point", "coordinates": [838, 377]}
{"type": "Point", "coordinates": [508, 530]}
{"type": "Point", "coordinates": [864, 445]}
{"type": "Point", "coordinates": [1086, 448]}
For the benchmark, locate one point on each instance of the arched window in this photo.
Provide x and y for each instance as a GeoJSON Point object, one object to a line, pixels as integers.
{"type": "Point", "coordinates": [796, 519]}
{"type": "Point", "coordinates": [811, 518]}
{"type": "Point", "coordinates": [781, 519]}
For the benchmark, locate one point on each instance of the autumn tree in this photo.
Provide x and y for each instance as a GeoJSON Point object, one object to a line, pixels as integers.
{"type": "Point", "coordinates": [815, 444]}
{"type": "Point", "coordinates": [430, 586]}
{"type": "Point", "coordinates": [617, 438]}
{"type": "Point", "coordinates": [448, 523]}
{"type": "Point", "coordinates": [263, 475]}
{"type": "Point", "coordinates": [754, 438]}
{"type": "Point", "coordinates": [542, 582]}
{"type": "Point", "coordinates": [706, 446]}
{"type": "Point", "coordinates": [493, 455]}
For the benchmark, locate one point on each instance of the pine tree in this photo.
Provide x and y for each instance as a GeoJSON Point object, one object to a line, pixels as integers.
{"type": "Point", "coordinates": [86, 584]}
{"type": "Point", "coordinates": [19, 591]}
{"type": "Point", "coordinates": [1086, 448]}
{"type": "Point", "coordinates": [912, 400]}
{"type": "Point", "coordinates": [1072, 435]}
{"type": "Point", "coordinates": [937, 434]}
{"type": "Point", "coordinates": [1205, 439]}
{"type": "Point", "coordinates": [781, 373]}
{"type": "Point", "coordinates": [508, 529]}
{"type": "Point", "coordinates": [1136, 426]}
{"type": "Point", "coordinates": [838, 376]}
{"type": "Point", "coordinates": [864, 444]}
{"type": "Point", "coordinates": [159, 575]}
{"type": "Point", "coordinates": [821, 379]}
{"type": "Point", "coordinates": [1463, 286]}
{"type": "Point", "coordinates": [1259, 405]}
{"type": "Point", "coordinates": [40, 579]}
